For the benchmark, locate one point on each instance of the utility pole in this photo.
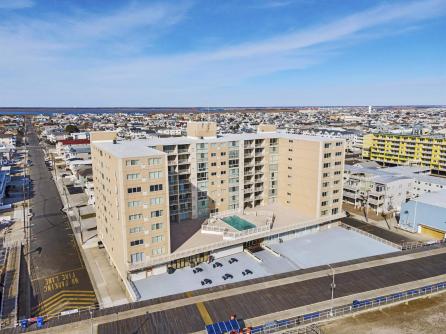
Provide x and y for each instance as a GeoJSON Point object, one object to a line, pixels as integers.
{"type": "Point", "coordinates": [333, 286]}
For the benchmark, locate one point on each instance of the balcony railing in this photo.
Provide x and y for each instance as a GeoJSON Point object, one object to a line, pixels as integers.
{"type": "Point", "coordinates": [225, 243]}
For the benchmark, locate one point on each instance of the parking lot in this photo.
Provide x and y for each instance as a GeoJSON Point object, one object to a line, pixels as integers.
{"type": "Point", "coordinates": [329, 246]}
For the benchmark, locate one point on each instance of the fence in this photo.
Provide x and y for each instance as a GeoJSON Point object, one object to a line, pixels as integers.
{"type": "Point", "coordinates": [354, 307]}
{"type": "Point", "coordinates": [372, 236]}
{"type": "Point", "coordinates": [225, 243]}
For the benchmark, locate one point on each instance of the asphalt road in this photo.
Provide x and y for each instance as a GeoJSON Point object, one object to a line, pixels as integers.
{"type": "Point", "coordinates": [279, 298]}
{"type": "Point", "coordinates": [59, 280]}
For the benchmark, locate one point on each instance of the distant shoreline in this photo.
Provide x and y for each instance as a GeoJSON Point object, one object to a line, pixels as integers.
{"type": "Point", "coordinates": [145, 110]}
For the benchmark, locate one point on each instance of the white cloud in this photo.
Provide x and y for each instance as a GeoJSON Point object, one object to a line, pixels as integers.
{"type": "Point", "coordinates": [16, 4]}
{"type": "Point", "coordinates": [40, 57]}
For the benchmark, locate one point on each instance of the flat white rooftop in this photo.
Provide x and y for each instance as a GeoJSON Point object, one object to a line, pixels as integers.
{"type": "Point", "coordinates": [141, 147]}
{"type": "Point", "coordinates": [332, 245]}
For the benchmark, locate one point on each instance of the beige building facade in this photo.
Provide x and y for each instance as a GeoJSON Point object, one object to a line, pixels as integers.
{"type": "Point", "coordinates": [147, 189]}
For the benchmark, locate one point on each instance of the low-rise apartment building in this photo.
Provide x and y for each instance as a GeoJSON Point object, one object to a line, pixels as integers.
{"type": "Point", "coordinates": [375, 189]}
{"type": "Point", "coordinates": [401, 149]}
{"type": "Point", "coordinates": [154, 197]}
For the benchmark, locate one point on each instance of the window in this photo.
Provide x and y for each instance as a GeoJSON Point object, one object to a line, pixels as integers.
{"type": "Point", "coordinates": [325, 184]}
{"type": "Point", "coordinates": [137, 257]}
{"type": "Point", "coordinates": [133, 176]}
{"type": "Point", "coordinates": [132, 162]}
{"type": "Point", "coordinates": [136, 242]}
{"type": "Point", "coordinates": [136, 229]}
{"type": "Point", "coordinates": [156, 187]}
{"type": "Point", "coordinates": [336, 200]}
{"type": "Point", "coordinates": [324, 203]}
{"type": "Point", "coordinates": [137, 216]}
{"type": "Point", "coordinates": [325, 174]}
{"type": "Point", "coordinates": [223, 172]}
{"type": "Point", "coordinates": [213, 173]}
{"type": "Point", "coordinates": [339, 143]}
{"type": "Point", "coordinates": [213, 164]}
{"type": "Point", "coordinates": [338, 172]}
{"type": "Point", "coordinates": [155, 175]}
{"type": "Point", "coordinates": [327, 145]}
{"type": "Point", "coordinates": [338, 163]}
{"type": "Point", "coordinates": [157, 251]}
{"type": "Point", "coordinates": [327, 155]}
{"type": "Point", "coordinates": [334, 211]}
{"type": "Point", "coordinates": [223, 154]}
{"type": "Point", "coordinates": [338, 154]}
{"type": "Point", "coordinates": [223, 163]}
{"type": "Point", "coordinates": [324, 194]}
{"type": "Point", "coordinates": [154, 161]}
{"type": "Point", "coordinates": [134, 204]}
{"type": "Point", "coordinates": [157, 238]}
{"type": "Point", "coordinates": [156, 201]}
{"type": "Point", "coordinates": [157, 226]}
{"type": "Point", "coordinates": [213, 154]}
{"type": "Point", "coordinates": [326, 165]}
{"type": "Point", "coordinates": [324, 212]}
{"type": "Point", "coordinates": [157, 213]}
{"type": "Point", "coordinates": [134, 190]}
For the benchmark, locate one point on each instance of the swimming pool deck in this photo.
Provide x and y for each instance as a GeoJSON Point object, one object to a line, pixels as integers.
{"type": "Point", "coordinates": [187, 234]}
{"type": "Point", "coordinates": [329, 246]}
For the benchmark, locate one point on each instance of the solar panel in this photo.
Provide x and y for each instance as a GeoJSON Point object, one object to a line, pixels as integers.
{"type": "Point", "coordinates": [223, 327]}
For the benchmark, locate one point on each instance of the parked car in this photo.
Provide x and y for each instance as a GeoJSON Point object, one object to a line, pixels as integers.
{"type": "Point", "coordinates": [227, 276]}
{"type": "Point", "coordinates": [217, 265]}
{"type": "Point", "coordinates": [206, 281]}
{"type": "Point", "coordinates": [246, 272]}
{"type": "Point", "coordinates": [232, 260]}
{"type": "Point", "coordinates": [197, 270]}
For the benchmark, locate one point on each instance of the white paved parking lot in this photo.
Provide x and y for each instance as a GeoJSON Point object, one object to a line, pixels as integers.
{"type": "Point", "coordinates": [329, 246]}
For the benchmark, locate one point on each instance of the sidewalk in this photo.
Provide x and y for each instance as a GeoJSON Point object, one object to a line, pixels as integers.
{"type": "Point", "coordinates": [108, 288]}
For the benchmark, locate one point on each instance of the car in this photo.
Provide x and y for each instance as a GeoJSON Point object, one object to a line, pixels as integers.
{"type": "Point", "coordinates": [206, 281]}
{"type": "Point", "coordinates": [100, 245]}
{"type": "Point", "coordinates": [247, 272]}
{"type": "Point", "coordinates": [197, 270]}
{"type": "Point", "coordinates": [232, 260]}
{"type": "Point", "coordinates": [217, 265]}
{"type": "Point", "coordinates": [227, 276]}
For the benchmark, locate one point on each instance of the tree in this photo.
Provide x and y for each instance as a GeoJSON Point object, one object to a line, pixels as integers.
{"type": "Point", "coordinates": [71, 128]}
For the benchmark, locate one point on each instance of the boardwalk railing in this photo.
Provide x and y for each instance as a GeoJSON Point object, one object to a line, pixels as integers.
{"type": "Point", "coordinates": [354, 307]}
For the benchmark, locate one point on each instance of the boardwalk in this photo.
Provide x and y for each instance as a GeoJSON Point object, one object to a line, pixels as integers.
{"type": "Point", "coordinates": [252, 304]}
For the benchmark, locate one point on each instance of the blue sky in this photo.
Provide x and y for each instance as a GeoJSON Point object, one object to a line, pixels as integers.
{"type": "Point", "coordinates": [222, 52]}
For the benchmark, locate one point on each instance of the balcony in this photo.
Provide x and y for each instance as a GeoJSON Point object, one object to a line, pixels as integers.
{"type": "Point", "coordinates": [183, 161]}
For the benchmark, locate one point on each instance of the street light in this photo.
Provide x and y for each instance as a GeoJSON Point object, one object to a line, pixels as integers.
{"type": "Point", "coordinates": [333, 286]}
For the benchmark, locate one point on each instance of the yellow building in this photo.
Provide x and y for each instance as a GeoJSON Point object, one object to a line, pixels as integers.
{"type": "Point", "coordinates": [396, 149]}
{"type": "Point", "coordinates": [154, 197]}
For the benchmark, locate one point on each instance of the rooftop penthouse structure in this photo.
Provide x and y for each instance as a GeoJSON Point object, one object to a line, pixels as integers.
{"type": "Point", "coordinates": [173, 202]}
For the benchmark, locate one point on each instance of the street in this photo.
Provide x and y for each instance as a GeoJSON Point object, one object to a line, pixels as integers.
{"type": "Point", "coordinates": [59, 280]}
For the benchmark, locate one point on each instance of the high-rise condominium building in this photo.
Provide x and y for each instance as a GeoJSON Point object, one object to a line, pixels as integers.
{"type": "Point", "coordinates": [162, 202]}
{"type": "Point", "coordinates": [397, 149]}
